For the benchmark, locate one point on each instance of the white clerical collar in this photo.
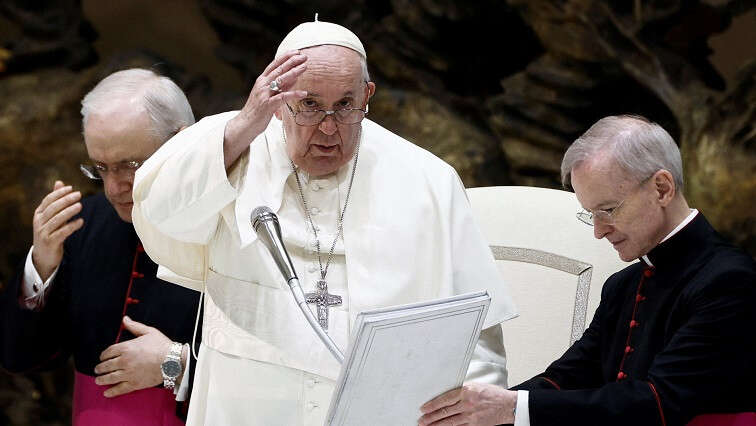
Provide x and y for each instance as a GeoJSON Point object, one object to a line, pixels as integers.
{"type": "Point", "coordinates": [693, 213]}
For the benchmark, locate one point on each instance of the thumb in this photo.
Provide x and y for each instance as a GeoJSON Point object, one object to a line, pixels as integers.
{"type": "Point", "coordinates": [136, 328]}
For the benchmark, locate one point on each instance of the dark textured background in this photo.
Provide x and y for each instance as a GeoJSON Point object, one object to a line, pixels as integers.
{"type": "Point", "coordinates": [496, 88]}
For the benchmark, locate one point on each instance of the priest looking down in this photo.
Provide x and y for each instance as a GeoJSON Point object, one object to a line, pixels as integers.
{"type": "Point", "coordinates": [88, 289]}
{"type": "Point", "coordinates": [672, 336]}
{"type": "Point", "coordinates": [366, 216]}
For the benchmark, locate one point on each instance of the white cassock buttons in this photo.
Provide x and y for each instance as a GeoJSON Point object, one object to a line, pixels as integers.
{"type": "Point", "coordinates": [314, 211]}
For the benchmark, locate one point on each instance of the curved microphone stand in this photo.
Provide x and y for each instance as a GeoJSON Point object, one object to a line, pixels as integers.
{"type": "Point", "coordinates": [265, 224]}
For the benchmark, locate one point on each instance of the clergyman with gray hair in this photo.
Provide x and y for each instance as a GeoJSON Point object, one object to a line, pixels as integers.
{"type": "Point", "coordinates": [671, 341]}
{"type": "Point", "coordinates": [87, 289]}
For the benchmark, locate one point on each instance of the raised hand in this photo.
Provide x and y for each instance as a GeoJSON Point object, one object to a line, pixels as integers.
{"type": "Point", "coordinates": [52, 225]}
{"type": "Point", "coordinates": [263, 102]}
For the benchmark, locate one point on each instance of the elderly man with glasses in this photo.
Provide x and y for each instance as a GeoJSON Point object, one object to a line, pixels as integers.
{"type": "Point", "coordinates": [88, 289]}
{"type": "Point", "coordinates": [366, 216]}
{"type": "Point", "coordinates": [672, 336]}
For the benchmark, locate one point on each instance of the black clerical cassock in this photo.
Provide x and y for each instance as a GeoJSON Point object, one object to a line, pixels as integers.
{"type": "Point", "coordinates": [105, 274]}
{"type": "Point", "coordinates": [672, 338]}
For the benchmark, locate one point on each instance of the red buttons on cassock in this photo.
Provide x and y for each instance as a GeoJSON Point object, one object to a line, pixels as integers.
{"type": "Point", "coordinates": [131, 301]}
{"type": "Point", "coordinates": [621, 376]}
{"type": "Point", "coordinates": [136, 274]}
{"type": "Point", "coordinates": [648, 273]}
{"type": "Point", "coordinates": [628, 349]}
{"type": "Point", "coordinates": [639, 298]}
{"type": "Point", "coordinates": [633, 324]}
{"type": "Point", "coordinates": [140, 248]}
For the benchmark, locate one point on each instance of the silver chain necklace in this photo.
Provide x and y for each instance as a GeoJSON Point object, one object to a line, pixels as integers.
{"type": "Point", "coordinates": [320, 296]}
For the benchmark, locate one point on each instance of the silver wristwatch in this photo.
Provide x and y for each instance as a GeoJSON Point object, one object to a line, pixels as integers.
{"type": "Point", "coordinates": [171, 366]}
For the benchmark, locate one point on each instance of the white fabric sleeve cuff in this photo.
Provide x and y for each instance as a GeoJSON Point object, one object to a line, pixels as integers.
{"type": "Point", "coordinates": [33, 289]}
{"type": "Point", "coordinates": [488, 363]}
{"type": "Point", "coordinates": [183, 389]}
{"type": "Point", "coordinates": [522, 413]}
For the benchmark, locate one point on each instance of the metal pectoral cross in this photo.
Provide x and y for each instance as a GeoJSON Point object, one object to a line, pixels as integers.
{"type": "Point", "coordinates": [323, 300]}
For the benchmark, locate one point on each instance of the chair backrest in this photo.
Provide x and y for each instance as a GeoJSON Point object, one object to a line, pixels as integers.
{"type": "Point", "coordinates": [551, 262]}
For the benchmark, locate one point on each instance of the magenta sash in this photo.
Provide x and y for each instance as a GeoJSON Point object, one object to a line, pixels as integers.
{"type": "Point", "coordinates": [151, 406]}
{"type": "Point", "coordinates": [736, 419]}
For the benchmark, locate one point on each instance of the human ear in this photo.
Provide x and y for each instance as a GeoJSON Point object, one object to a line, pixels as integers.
{"type": "Point", "coordinates": [664, 185]}
{"type": "Point", "coordinates": [370, 89]}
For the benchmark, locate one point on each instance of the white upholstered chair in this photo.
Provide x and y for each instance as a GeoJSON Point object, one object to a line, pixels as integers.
{"type": "Point", "coordinates": [553, 265]}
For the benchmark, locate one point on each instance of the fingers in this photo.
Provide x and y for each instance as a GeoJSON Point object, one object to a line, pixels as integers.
{"type": "Point", "coordinates": [65, 231]}
{"type": "Point", "coordinates": [274, 69]}
{"type": "Point", "coordinates": [136, 328]}
{"type": "Point", "coordinates": [112, 351]}
{"type": "Point", "coordinates": [108, 366]}
{"type": "Point", "coordinates": [444, 400]}
{"type": "Point", "coordinates": [457, 420]}
{"type": "Point", "coordinates": [276, 101]}
{"type": "Point", "coordinates": [60, 204]}
{"type": "Point", "coordinates": [119, 389]}
{"type": "Point", "coordinates": [449, 415]}
{"type": "Point", "coordinates": [62, 216]}
{"type": "Point", "coordinates": [110, 378]}
{"type": "Point", "coordinates": [52, 197]}
{"type": "Point", "coordinates": [288, 78]}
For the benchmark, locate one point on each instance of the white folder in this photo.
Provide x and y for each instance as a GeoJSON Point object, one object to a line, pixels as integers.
{"type": "Point", "coordinates": [401, 357]}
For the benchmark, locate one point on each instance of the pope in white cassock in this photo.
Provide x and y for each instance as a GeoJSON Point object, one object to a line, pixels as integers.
{"type": "Point", "coordinates": [365, 215]}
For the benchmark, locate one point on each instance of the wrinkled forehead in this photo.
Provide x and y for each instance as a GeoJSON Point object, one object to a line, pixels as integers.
{"type": "Point", "coordinates": [336, 59]}
{"type": "Point", "coordinates": [600, 181]}
{"type": "Point", "coordinates": [331, 69]}
{"type": "Point", "coordinates": [119, 133]}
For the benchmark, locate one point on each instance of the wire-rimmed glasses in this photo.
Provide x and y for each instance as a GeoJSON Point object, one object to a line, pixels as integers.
{"type": "Point", "coordinates": [315, 116]}
{"type": "Point", "coordinates": [606, 216]}
{"type": "Point", "coordinates": [96, 171]}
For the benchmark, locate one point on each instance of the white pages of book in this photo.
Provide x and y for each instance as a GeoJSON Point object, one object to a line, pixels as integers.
{"type": "Point", "coordinates": [402, 356]}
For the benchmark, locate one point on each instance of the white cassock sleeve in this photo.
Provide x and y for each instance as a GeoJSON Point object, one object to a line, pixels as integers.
{"type": "Point", "coordinates": [489, 361]}
{"type": "Point", "coordinates": [179, 193]}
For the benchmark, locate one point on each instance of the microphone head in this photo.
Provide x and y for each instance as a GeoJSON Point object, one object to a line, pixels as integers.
{"type": "Point", "coordinates": [261, 213]}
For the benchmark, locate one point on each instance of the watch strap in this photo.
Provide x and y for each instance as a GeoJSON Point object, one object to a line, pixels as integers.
{"type": "Point", "coordinates": [174, 354]}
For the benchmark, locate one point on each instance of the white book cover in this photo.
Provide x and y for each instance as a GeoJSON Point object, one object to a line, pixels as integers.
{"type": "Point", "coordinates": [401, 357]}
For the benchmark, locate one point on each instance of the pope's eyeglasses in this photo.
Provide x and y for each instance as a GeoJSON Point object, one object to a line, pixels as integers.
{"type": "Point", "coordinates": [342, 116]}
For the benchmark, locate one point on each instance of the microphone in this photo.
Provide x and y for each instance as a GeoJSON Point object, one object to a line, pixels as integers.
{"type": "Point", "coordinates": [265, 224]}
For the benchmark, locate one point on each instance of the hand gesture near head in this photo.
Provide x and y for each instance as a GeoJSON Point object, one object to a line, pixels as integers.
{"type": "Point", "coordinates": [262, 102]}
{"type": "Point", "coordinates": [52, 224]}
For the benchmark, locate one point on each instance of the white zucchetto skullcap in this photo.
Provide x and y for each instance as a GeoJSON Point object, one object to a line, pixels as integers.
{"type": "Point", "coordinates": [317, 33]}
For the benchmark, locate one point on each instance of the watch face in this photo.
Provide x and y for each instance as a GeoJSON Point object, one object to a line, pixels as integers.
{"type": "Point", "coordinates": [171, 368]}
